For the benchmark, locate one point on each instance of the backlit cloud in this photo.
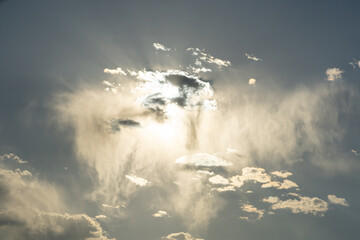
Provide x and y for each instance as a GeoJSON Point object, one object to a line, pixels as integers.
{"type": "Point", "coordinates": [336, 200]}
{"type": "Point", "coordinates": [252, 57]}
{"type": "Point", "coordinates": [115, 71]}
{"type": "Point", "coordinates": [159, 46]}
{"type": "Point", "coordinates": [333, 74]}
{"type": "Point", "coordinates": [137, 180]}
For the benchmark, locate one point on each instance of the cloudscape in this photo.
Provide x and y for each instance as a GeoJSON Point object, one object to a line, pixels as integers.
{"type": "Point", "coordinates": [188, 120]}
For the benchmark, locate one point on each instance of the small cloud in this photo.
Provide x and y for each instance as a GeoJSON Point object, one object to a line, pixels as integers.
{"type": "Point", "coordinates": [160, 214]}
{"type": "Point", "coordinates": [333, 74]}
{"type": "Point", "coordinates": [355, 63]}
{"type": "Point", "coordinates": [251, 209]}
{"type": "Point", "coordinates": [271, 184]}
{"type": "Point", "coordinates": [199, 70]}
{"type": "Point", "coordinates": [282, 174]}
{"type": "Point", "coordinates": [287, 184]}
{"type": "Point", "coordinates": [202, 160]}
{"type": "Point", "coordinates": [271, 199]}
{"type": "Point", "coordinates": [100, 217]}
{"type": "Point", "coordinates": [161, 47]}
{"type": "Point", "coordinates": [226, 189]}
{"type": "Point", "coordinates": [250, 174]}
{"type": "Point", "coordinates": [12, 157]}
{"type": "Point", "coordinates": [315, 206]}
{"type": "Point", "coordinates": [115, 71]}
{"type": "Point", "coordinates": [137, 180]}
{"type": "Point", "coordinates": [336, 200]}
{"type": "Point", "coordinates": [355, 152]}
{"type": "Point", "coordinates": [205, 172]}
{"type": "Point", "coordinates": [252, 57]}
{"type": "Point", "coordinates": [219, 180]}
{"type": "Point", "coordinates": [180, 236]}
{"type": "Point", "coordinates": [201, 56]}
{"type": "Point", "coordinates": [252, 81]}
{"type": "Point", "coordinates": [109, 206]}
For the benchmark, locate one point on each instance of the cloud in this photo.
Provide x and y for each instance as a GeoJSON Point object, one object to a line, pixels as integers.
{"type": "Point", "coordinates": [219, 180]}
{"type": "Point", "coordinates": [355, 63]}
{"type": "Point", "coordinates": [336, 200]}
{"type": "Point", "coordinates": [180, 236]}
{"type": "Point", "coordinates": [116, 123]}
{"type": "Point", "coordinates": [271, 184]}
{"type": "Point", "coordinates": [250, 174]}
{"type": "Point", "coordinates": [34, 210]}
{"type": "Point", "coordinates": [355, 152]}
{"type": "Point", "coordinates": [271, 199]}
{"type": "Point", "coordinates": [307, 205]}
{"type": "Point", "coordinates": [286, 184]}
{"type": "Point", "coordinates": [252, 57]}
{"type": "Point", "coordinates": [207, 58]}
{"type": "Point", "coordinates": [160, 214]}
{"type": "Point", "coordinates": [137, 180]}
{"type": "Point", "coordinates": [199, 70]}
{"type": "Point", "coordinates": [12, 157]}
{"type": "Point", "coordinates": [333, 74]}
{"type": "Point", "coordinates": [226, 189]}
{"type": "Point", "coordinates": [282, 174]}
{"type": "Point", "coordinates": [116, 71]}
{"type": "Point", "coordinates": [100, 217]}
{"type": "Point", "coordinates": [252, 81]}
{"type": "Point", "coordinates": [202, 160]}
{"type": "Point", "coordinates": [251, 209]}
{"type": "Point", "coordinates": [161, 47]}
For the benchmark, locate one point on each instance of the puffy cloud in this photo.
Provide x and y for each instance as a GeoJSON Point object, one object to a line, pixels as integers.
{"type": "Point", "coordinates": [252, 57]}
{"type": "Point", "coordinates": [161, 47]}
{"type": "Point", "coordinates": [315, 206]}
{"type": "Point", "coordinates": [252, 81]}
{"type": "Point", "coordinates": [115, 71]}
{"type": "Point", "coordinates": [218, 180]}
{"type": "Point", "coordinates": [12, 157]}
{"type": "Point", "coordinates": [180, 236]}
{"type": "Point", "coordinates": [333, 74]}
{"type": "Point", "coordinates": [282, 174]}
{"type": "Point", "coordinates": [202, 160]}
{"type": "Point", "coordinates": [207, 58]}
{"type": "Point", "coordinates": [160, 214]}
{"type": "Point", "coordinates": [250, 174]}
{"type": "Point", "coordinates": [336, 200]}
{"type": "Point", "coordinates": [251, 209]}
{"type": "Point", "coordinates": [271, 199]}
{"type": "Point", "coordinates": [34, 210]}
{"type": "Point", "coordinates": [137, 180]}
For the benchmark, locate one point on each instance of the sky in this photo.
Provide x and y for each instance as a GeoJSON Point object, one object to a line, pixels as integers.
{"type": "Point", "coordinates": [179, 120]}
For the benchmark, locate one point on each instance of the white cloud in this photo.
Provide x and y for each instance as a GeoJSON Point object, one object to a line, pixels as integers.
{"type": "Point", "coordinates": [250, 174]}
{"type": "Point", "coordinates": [202, 160]}
{"type": "Point", "coordinates": [287, 184]}
{"type": "Point", "coordinates": [271, 199]}
{"type": "Point", "coordinates": [137, 180]}
{"type": "Point", "coordinates": [282, 174]}
{"type": "Point", "coordinates": [180, 236]}
{"type": "Point", "coordinates": [116, 71]}
{"type": "Point", "coordinates": [315, 206]}
{"type": "Point", "coordinates": [100, 216]}
{"type": "Point", "coordinates": [355, 152]}
{"type": "Point", "coordinates": [251, 209]}
{"type": "Point", "coordinates": [218, 180]}
{"type": "Point", "coordinates": [205, 172]}
{"type": "Point", "coordinates": [336, 200]}
{"type": "Point", "coordinates": [252, 57]}
{"type": "Point", "coordinates": [161, 47]}
{"type": "Point", "coordinates": [207, 58]}
{"type": "Point", "coordinates": [199, 70]}
{"type": "Point", "coordinates": [12, 157]}
{"type": "Point", "coordinates": [271, 184]}
{"type": "Point", "coordinates": [333, 74]}
{"type": "Point", "coordinates": [355, 63]}
{"type": "Point", "coordinates": [160, 214]}
{"type": "Point", "coordinates": [252, 81]}
{"type": "Point", "coordinates": [226, 189]}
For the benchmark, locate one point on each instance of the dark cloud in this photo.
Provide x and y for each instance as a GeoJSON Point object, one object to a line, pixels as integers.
{"type": "Point", "coordinates": [116, 123]}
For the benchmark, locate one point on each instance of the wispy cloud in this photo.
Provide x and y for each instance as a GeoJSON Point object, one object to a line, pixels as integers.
{"type": "Point", "coordinates": [137, 180]}
{"type": "Point", "coordinates": [180, 236]}
{"type": "Point", "coordinates": [252, 57]}
{"type": "Point", "coordinates": [201, 56]}
{"type": "Point", "coordinates": [159, 46]}
{"type": "Point", "coordinates": [251, 209]}
{"type": "Point", "coordinates": [115, 71]}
